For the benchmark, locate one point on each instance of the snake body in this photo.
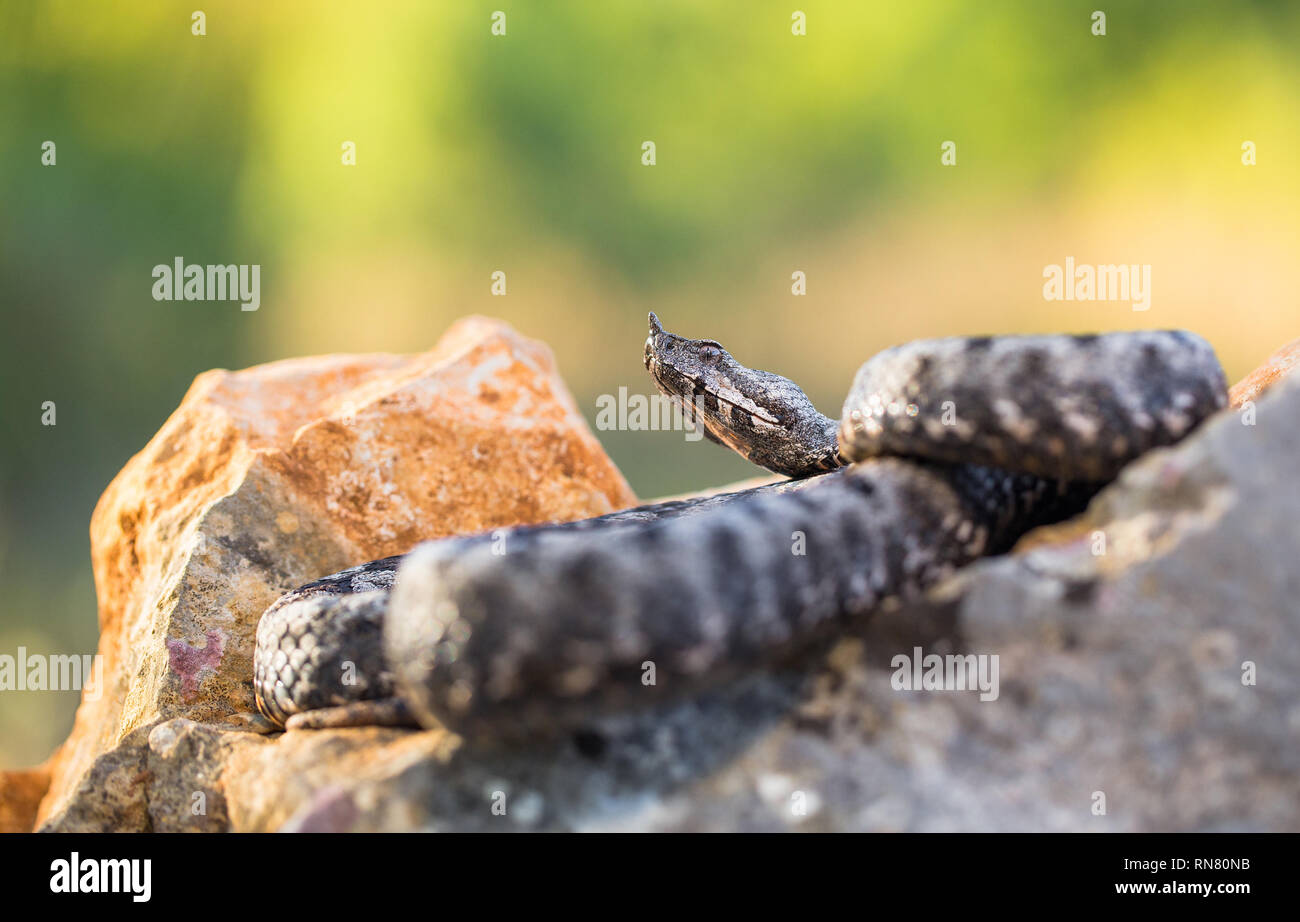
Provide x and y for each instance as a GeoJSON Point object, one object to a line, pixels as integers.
{"type": "Point", "coordinates": [947, 450]}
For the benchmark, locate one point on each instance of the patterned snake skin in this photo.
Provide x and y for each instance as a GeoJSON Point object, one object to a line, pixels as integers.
{"type": "Point", "coordinates": [954, 448]}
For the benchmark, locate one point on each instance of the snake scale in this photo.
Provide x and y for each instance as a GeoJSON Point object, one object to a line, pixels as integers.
{"type": "Point", "coordinates": [947, 450]}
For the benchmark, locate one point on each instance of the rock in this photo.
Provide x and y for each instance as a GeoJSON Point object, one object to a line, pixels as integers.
{"type": "Point", "coordinates": [1279, 365]}
{"type": "Point", "coordinates": [265, 478]}
{"type": "Point", "coordinates": [1120, 702]}
{"type": "Point", "coordinates": [20, 797]}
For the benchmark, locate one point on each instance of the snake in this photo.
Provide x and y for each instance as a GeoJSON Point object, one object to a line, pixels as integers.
{"type": "Point", "coordinates": [947, 450]}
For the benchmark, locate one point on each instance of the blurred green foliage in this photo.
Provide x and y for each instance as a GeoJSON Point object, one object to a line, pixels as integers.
{"type": "Point", "coordinates": [523, 153]}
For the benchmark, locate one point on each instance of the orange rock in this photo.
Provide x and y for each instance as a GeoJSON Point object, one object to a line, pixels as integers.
{"type": "Point", "coordinates": [20, 795]}
{"type": "Point", "coordinates": [1278, 366]}
{"type": "Point", "coordinates": [268, 477]}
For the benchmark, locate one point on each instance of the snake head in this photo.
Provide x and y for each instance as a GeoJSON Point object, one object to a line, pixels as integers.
{"type": "Point", "coordinates": [763, 416]}
{"type": "Point", "coordinates": [686, 368]}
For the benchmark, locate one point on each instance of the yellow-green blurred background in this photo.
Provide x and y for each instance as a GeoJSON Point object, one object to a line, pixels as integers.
{"type": "Point", "coordinates": [522, 153]}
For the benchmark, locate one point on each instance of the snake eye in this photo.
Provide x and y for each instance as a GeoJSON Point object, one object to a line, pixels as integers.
{"type": "Point", "coordinates": [709, 353]}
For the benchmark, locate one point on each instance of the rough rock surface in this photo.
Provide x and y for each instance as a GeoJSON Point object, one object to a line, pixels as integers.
{"type": "Point", "coordinates": [265, 478]}
{"type": "Point", "coordinates": [1149, 679]}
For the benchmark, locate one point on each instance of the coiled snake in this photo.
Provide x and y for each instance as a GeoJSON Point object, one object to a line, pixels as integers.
{"type": "Point", "coordinates": [947, 450]}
